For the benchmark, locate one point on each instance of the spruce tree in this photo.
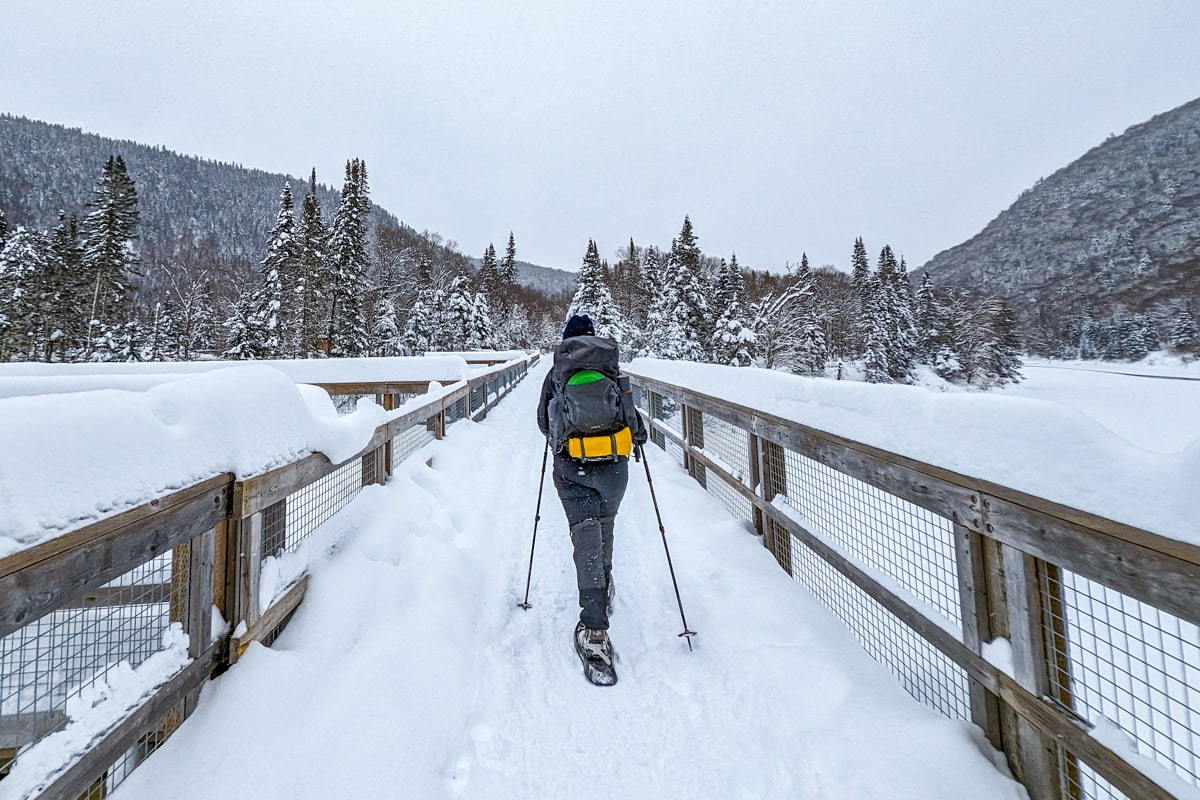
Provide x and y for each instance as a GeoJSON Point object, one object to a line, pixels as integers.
{"type": "Point", "coordinates": [481, 334]}
{"type": "Point", "coordinates": [454, 316]}
{"type": "Point", "coordinates": [24, 261]}
{"type": "Point", "coordinates": [1185, 334]}
{"type": "Point", "coordinates": [308, 298]}
{"type": "Point", "coordinates": [347, 328]}
{"type": "Point", "coordinates": [689, 322]}
{"type": "Point", "coordinates": [247, 340]}
{"type": "Point", "coordinates": [386, 336]}
{"type": "Point", "coordinates": [860, 281]}
{"type": "Point", "coordinates": [264, 306]}
{"type": "Point", "coordinates": [284, 260]}
{"type": "Point", "coordinates": [594, 298]}
{"type": "Point", "coordinates": [70, 291]}
{"type": "Point", "coordinates": [109, 232]}
{"type": "Point", "coordinates": [660, 299]}
{"type": "Point", "coordinates": [488, 279]}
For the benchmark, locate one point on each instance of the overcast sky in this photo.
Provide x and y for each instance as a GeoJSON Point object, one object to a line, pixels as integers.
{"type": "Point", "coordinates": [780, 127]}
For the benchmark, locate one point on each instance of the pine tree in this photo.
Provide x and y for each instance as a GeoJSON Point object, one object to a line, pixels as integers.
{"type": "Point", "coordinates": [481, 334]}
{"type": "Point", "coordinates": [284, 260]}
{"type": "Point", "coordinates": [594, 298]}
{"type": "Point", "coordinates": [860, 281]}
{"type": "Point", "coordinates": [109, 231]}
{"type": "Point", "coordinates": [347, 328]}
{"type": "Point", "coordinates": [876, 333]}
{"type": "Point", "coordinates": [386, 336]}
{"type": "Point", "coordinates": [689, 324]}
{"type": "Point", "coordinates": [660, 299]}
{"type": "Point", "coordinates": [734, 340]}
{"type": "Point", "coordinates": [1185, 334]}
{"type": "Point", "coordinates": [24, 261]}
{"type": "Point", "coordinates": [308, 300]}
{"type": "Point", "coordinates": [895, 307]}
{"type": "Point", "coordinates": [70, 291]}
{"type": "Point", "coordinates": [487, 280]}
{"type": "Point", "coordinates": [247, 340]}
{"type": "Point", "coordinates": [629, 293]}
{"type": "Point", "coordinates": [1005, 358]}
{"type": "Point", "coordinates": [454, 316]}
{"type": "Point", "coordinates": [264, 314]}
{"type": "Point", "coordinates": [505, 298]}
{"type": "Point", "coordinates": [421, 329]}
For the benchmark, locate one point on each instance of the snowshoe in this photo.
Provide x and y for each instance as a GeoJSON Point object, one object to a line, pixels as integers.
{"type": "Point", "coordinates": [596, 653]}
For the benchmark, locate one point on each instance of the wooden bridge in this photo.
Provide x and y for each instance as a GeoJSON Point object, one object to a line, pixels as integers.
{"type": "Point", "coordinates": [923, 565]}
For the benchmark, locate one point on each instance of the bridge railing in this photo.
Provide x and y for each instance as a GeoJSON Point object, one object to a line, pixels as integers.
{"type": "Point", "coordinates": [1069, 639]}
{"type": "Point", "coordinates": [108, 632]}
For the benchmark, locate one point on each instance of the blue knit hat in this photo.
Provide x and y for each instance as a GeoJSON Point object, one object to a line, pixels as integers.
{"type": "Point", "coordinates": [579, 325]}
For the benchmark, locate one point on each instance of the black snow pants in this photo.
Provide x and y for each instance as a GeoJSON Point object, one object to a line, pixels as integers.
{"type": "Point", "coordinates": [591, 494]}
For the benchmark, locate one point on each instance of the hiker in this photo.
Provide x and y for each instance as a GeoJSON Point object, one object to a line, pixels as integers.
{"type": "Point", "coordinates": [586, 412]}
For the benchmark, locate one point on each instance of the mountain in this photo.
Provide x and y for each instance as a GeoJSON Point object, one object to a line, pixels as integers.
{"type": "Point", "coordinates": [1117, 231]}
{"type": "Point", "coordinates": [189, 207]}
{"type": "Point", "coordinates": [184, 201]}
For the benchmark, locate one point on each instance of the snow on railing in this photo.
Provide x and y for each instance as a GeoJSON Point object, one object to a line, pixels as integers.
{"type": "Point", "coordinates": [932, 570]}
{"type": "Point", "coordinates": [108, 631]}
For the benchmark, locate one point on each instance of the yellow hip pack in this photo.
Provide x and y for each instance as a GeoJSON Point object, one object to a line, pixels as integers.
{"type": "Point", "coordinates": [601, 448]}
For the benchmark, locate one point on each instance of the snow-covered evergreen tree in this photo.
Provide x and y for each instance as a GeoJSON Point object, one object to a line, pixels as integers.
{"type": "Point", "coordinates": [689, 322]}
{"type": "Point", "coordinates": [594, 298]}
{"type": "Point", "coordinates": [1185, 334]}
{"type": "Point", "coordinates": [247, 341]}
{"type": "Point", "coordinates": [454, 316]}
{"type": "Point", "coordinates": [109, 232]}
{"type": "Point", "coordinates": [487, 280]}
{"type": "Point", "coordinates": [894, 303]}
{"type": "Point", "coordinates": [284, 259]}
{"type": "Point", "coordinates": [308, 300]}
{"type": "Point", "coordinates": [660, 299]}
{"type": "Point", "coordinates": [860, 281]}
{"type": "Point", "coordinates": [25, 261]}
{"type": "Point", "coordinates": [733, 341]}
{"type": "Point", "coordinates": [386, 337]}
{"type": "Point", "coordinates": [347, 286]}
{"type": "Point", "coordinates": [482, 333]}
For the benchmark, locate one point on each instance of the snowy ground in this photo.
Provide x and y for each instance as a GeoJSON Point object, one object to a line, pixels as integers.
{"type": "Point", "coordinates": [1153, 405]}
{"type": "Point", "coordinates": [410, 672]}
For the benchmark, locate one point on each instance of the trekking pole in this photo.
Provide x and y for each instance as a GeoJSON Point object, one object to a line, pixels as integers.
{"type": "Point", "coordinates": [537, 515]}
{"type": "Point", "coordinates": [687, 633]}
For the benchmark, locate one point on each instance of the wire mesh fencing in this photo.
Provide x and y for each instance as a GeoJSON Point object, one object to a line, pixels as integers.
{"type": "Point", "coordinates": [54, 667]}
{"type": "Point", "coordinates": [922, 590]}
{"type": "Point", "coordinates": [1119, 661]}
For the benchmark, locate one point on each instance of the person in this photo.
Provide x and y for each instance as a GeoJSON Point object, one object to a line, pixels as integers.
{"type": "Point", "coordinates": [590, 473]}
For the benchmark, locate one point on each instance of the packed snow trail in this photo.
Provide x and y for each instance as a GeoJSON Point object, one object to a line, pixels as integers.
{"type": "Point", "coordinates": [410, 672]}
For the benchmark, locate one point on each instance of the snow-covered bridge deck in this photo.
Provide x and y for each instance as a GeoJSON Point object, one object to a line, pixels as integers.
{"type": "Point", "coordinates": [409, 671]}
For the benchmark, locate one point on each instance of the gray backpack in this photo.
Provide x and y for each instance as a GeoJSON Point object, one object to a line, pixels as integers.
{"type": "Point", "coordinates": [588, 399]}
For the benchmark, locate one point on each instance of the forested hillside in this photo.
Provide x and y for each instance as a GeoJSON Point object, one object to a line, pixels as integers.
{"type": "Point", "coordinates": [1102, 258]}
{"type": "Point", "coordinates": [179, 274]}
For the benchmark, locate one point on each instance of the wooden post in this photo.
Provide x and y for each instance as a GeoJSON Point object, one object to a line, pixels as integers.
{"type": "Point", "coordinates": [755, 480]}
{"type": "Point", "coordinates": [774, 482]}
{"type": "Point", "coordinates": [693, 434]}
{"type": "Point", "coordinates": [976, 623]}
{"type": "Point", "coordinates": [389, 404]}
{"type": "Point", "coordinates": [1034, 759]}
{"type": "Point", "coordinates": [247, 562]}
{"type": "Point", "coordinates": [656, 413]}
